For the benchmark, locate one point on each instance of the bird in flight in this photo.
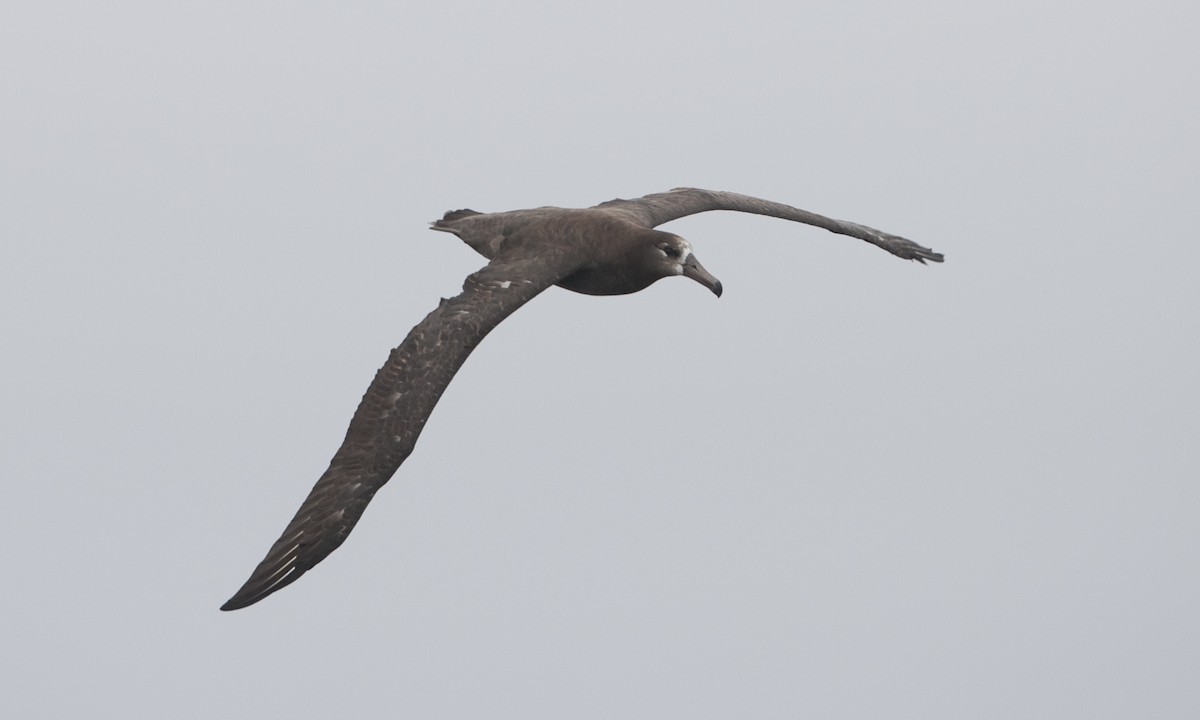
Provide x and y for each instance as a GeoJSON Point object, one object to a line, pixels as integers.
{"type": "Point", "coordinates": [609, 249]}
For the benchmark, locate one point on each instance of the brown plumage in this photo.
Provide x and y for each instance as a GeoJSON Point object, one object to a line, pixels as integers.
{"type": "Point", "coordinates": [610, 249]}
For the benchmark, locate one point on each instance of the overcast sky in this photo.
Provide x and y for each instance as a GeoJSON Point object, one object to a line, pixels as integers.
{"type": "Point", "coordinates": [852, 487]}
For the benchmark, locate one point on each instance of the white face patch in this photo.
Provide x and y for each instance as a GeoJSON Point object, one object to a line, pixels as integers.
{"type": "Point", "coordinates": [684, 250]}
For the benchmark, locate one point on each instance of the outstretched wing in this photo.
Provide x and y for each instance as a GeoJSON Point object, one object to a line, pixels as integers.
{"type": "Point", "coordinates": [654, 210]}
{"type": "Point", "coordinates": [393, 412]}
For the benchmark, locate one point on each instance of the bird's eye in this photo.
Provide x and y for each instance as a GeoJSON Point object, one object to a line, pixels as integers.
{"type": "Point", "coordinates": [669, 250]}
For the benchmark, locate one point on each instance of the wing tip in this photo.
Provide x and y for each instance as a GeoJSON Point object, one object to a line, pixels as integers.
{"type": "Point", "coordinates": [230, 604]}
{"type": "Point", "coordinates": [272, 574]}
{"type": "Point", "coordinates": [256, 589]}
{"type": "Point", "coordinates": [249, 594]}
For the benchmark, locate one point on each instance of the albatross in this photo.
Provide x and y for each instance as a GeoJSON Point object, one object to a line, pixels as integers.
{"type": "Point", "coordinates": [610, 249]}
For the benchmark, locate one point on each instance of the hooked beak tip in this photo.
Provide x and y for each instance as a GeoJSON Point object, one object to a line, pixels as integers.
{"type": "Point", "coordinates": [694, 270]}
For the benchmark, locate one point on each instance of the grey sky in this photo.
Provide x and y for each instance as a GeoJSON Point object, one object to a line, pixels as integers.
{"type": "Point", "coordinates": [853, 487]}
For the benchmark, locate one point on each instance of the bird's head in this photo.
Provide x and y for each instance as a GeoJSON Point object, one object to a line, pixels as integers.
{"type": "Point", "coordinates": [671, 255]}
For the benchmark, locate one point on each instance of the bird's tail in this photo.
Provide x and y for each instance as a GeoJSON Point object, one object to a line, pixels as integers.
{"type": "Point", "coordinates": [445, 223]}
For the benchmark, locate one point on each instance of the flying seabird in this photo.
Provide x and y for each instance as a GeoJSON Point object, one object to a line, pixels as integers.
{"type": "Point", "coordinates": [609, 249]}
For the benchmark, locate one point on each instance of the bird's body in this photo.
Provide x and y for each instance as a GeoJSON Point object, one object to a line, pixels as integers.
{"type": "Point", "coordinates": [602, 246]}
{"type": "Point", "coordinates": [610, 249]}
